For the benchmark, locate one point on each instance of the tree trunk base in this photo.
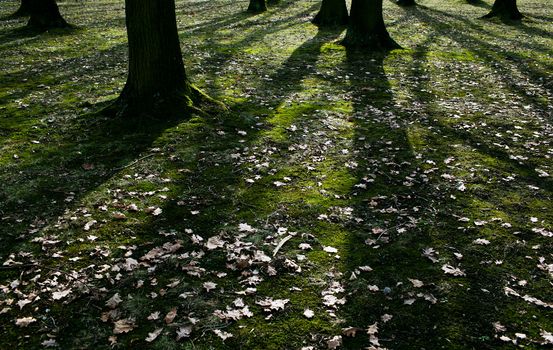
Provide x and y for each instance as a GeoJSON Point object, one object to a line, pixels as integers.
{"type": "Point", "coordinates": [516, 16]}
{"type": "Point", "coordinates": [405, 3]}
{"type": "Point", "coordinates": [45, 15]}
{"type": "Point", "coordinates": [505, 10]}
{"type": "Point", "coordinates": [175, 104]}
{"type": "Point", "coordinates": [44, 24]}
{"type": "Point", "coordinates": [257, 6]}
{"type": "Point", "coordinates": [374, 42]}
{"type": "Point", "coordinates": [332, 14]}
{"type": "Point", "coordinates": [21, 12]}
{"type": "Point", "coordinates": [323, 22]}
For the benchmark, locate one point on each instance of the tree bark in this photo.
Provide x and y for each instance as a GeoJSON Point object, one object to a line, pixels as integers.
{"type": "Point", "coordinates": [366, 27]}
{"type": "Point", "coordinates": [23, 10]}
{"type": "Point", "coordinates": [156, 82]}
{"type": "Point", "coordinates": [405, 2]}
{"type": "Point", "coordinates": [257, 6]}
{"type": "Point", "coordinates": [45, 15]}
{"type": "Point", "coordinates": [332, 13]}
{"type": "Point", "coordinates": [505, 9]}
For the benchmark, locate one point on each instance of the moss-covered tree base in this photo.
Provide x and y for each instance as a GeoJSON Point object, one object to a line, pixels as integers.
{"type": "Point", "coordinates": [370, 42]}
{"type": "Point", "coordinates": [169, 104]}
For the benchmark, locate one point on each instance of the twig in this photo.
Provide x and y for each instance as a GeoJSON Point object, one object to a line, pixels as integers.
{"type": "Point", "coordinates": [281, 243]}
{"type": "Point", "coordinates": [133, 163]}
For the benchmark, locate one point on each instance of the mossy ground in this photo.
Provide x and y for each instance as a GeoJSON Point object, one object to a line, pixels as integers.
{"type": "Point", "coordinates": [380, 156]}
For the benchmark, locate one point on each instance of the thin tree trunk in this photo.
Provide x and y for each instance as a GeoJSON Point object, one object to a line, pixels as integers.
{"type": "Point", "coordinates": [23, 10]}
{"type": "Point", "coordinates": [366, 27]}
{"type": "Point", "coordinates": [156, 79]}
{"type": "Point", "coordinates": [45, 15]}
{"type": "Point", "coordinates": [505, 9]}
{"type": "Point", "coordinates": [332, 13]}
{"type": "Point", "coordinates": [257, 6]}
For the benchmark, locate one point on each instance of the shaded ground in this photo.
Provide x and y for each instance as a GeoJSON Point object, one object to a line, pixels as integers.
{"type": "Point", "coordinates": [407, 196]}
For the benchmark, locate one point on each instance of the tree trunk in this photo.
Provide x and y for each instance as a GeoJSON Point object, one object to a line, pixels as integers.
{"type": "Point", "coordinates": [366, 27]}
{"type": "Point", "coordinates": [332, 13]}
{"type": "Point", "coordinates": [405, 2]}
{"type": "Point", "coordinates": [45, 15]}
{"type": "Point", "coordinates": [23, 10]}
{"type": "Point", "coordinates": [505, 9]}
{"type": "Point", "coordinates": [156, 82]}
{"type": "Point", "coordinates": [257, 6]}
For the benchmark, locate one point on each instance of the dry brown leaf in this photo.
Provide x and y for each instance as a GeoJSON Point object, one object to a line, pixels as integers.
{"type": "Point", "coordinates": [123, 326]}
{"type": "Point", "coordinates": [171, 315]}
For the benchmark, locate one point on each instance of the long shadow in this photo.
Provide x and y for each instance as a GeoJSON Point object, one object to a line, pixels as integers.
{"type": "Point", "coordinates": [211, 176]}
{"type": "Point", "coordinates": [461, 317]}
{"type": "Point", "coordinates": [226, 52]}
{"type": "Point", "coordinates": [20, 33]}
{"type": "Point", "coordinates": [52, 177]}
{"type": "Point", "coordinates": [489, 52]}
{"type": "Point", "coordinates": [526, 169]}
{"type": "Point", "coordinates": [21, 83]}
{"type": "Point", "coordinates": [392, 235]}
{"type": "Point", "coordinates": [479, 3]}
{"type": "Point", "coordinates": [389, 242]}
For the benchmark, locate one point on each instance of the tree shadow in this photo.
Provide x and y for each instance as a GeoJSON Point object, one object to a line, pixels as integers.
{"type": "Point", "coordinates": [490, 53]}
{"type": "Point", "coordinates": [210, 183]}
{"type": "Point", "coordinates": [402, 212]}
{"type": "Point", "coordinates": [52, 177]}
{"type": "Point", "coordinates": [479, 3]}
{"type": "Point", "coordinates": [20, 33]}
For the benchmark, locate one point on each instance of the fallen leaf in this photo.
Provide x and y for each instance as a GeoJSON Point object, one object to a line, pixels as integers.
{"type": "Point", "coordinates": [61, 294]}
{"type": "Point", "coordinates": [152, 336]}
{"type": "Point", "coordinates": [123, 326]}
{"type": "Point", "coordinates": [184, 332]}
{"type": "Point", "coordinates": [334, 342]}
{"type": "Point", "coordinates": [114, 301]}
{"type": "Point", "coordinates": [416, 283]}
{"type": "Point", "coordinates": [222, 334]}
{"type": "Point", "coordinates": [209, 286]}
{"type": "Point", "coordinates": [171, 316]}
{"type": "Point", "coordinates": [25, 321]}
{"type": "Point", "coordinates": [350, 331]}
{"type": "Point", "coordinates": [450, 270]}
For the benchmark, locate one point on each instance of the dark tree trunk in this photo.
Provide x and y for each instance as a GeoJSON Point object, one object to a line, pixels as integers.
{"type": "Point", "coordinates": [257, 6]}
{"type": "Point", "coordinates": [45, 15]}
{"type": "Point", "coordinates": [332, 13]}
{"type": "Point", "coordinates": [406, 2]}
{"type": "Point", "coordinates": [273, 2]}
{"type": "Point", "coordinates": [156, 82]}
{"type": "Point", "coordinates": [505, 9]}
{"type": "Point", "coordinates": [24, 9]}
{"type": "Point", "coordinates": [366, 27]}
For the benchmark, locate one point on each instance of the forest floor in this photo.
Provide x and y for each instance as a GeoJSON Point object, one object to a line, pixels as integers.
{"type": "Point", "coordinates": [345, 200]}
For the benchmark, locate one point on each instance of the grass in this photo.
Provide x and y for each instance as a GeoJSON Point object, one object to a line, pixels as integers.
{"type": "Point", "coordinates": [437, 145]}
